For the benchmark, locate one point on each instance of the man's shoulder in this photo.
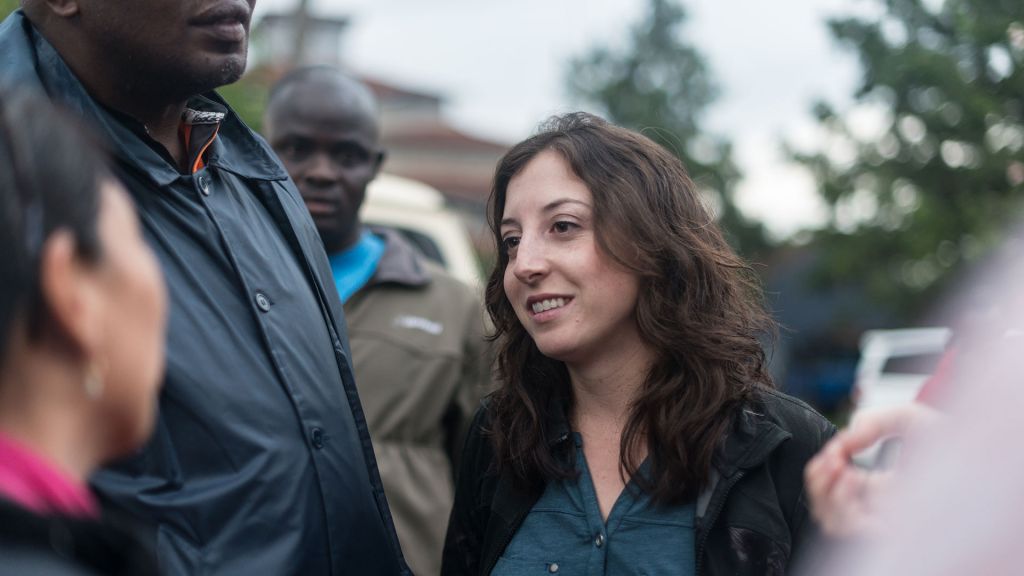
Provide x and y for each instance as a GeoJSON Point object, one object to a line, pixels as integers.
{"type": "Point", "coordinates": [444, 279]}
{"type": "Point", "coordinates": [415, 268]}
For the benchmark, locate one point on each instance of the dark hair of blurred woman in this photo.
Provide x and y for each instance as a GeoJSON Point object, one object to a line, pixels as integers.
{"type": "Point", "coordinates": [82, 316]}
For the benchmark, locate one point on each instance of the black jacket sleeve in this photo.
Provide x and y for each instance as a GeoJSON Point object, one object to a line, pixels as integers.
{"type": "Point", "coordinates": [468, 520]}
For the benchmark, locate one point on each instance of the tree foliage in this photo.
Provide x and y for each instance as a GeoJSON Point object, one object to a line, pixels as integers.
{"type": "Point", "coordinates": [7, 6]}
{"type": "Point", "coordinates": [661, 85]}
{"type": "Point", "coordinates": [248, 98]}
{"type": "Point", "coordinates": [939, 183]}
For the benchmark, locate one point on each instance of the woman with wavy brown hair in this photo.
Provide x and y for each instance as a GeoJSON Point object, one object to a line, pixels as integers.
{"type": "Point", "coordinates": [636, 429]}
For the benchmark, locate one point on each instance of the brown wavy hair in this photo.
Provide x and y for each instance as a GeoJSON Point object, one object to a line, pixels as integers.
{"type": "Point", "coordinates": [700, 308]}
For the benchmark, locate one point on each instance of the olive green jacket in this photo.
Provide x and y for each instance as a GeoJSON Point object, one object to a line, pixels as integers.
{"type": "Point", "coordinates": [421, 366]}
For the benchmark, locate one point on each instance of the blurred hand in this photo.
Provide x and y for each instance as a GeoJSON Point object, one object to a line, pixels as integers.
{"type": "Point", "coordinates": [843, 495]}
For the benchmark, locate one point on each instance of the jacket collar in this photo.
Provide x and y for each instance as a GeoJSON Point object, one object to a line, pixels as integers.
{"type": "Point", "coordinates": [750, 441]}
{"type": "Point", "coordinates": [400, 264]}
{"type": "Point", "coordinates": [17, 57]}
{"type": "Point", "coordinates": [30, 60]}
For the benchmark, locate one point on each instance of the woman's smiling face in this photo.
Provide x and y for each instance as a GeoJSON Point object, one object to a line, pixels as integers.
{"type": "Point", "coordinates": [570, 296]}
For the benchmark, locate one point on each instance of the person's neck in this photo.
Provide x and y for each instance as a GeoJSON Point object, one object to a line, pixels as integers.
{"type": "Point", "coordinates": [162, 120]}
{"type": "Point", "coordinates": [604, 388]}
{"type": "Point", "coordinates": [42, 407]}
{"type": "Point", "coordinates": [159, 111]}
{"type": "Point", "coordinates": [163, 125]}
{"type": "Point", "coordinates": [347, 243]}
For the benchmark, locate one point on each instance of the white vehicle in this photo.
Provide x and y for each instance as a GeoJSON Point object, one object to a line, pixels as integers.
{"type": "Point", "coordinates": [894, 365]}
{"type": "Point", "coordinates": [418, 212]}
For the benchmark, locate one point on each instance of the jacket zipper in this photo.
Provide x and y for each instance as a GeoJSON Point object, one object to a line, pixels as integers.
{"type": "Point", "coordinates": [719, 504]}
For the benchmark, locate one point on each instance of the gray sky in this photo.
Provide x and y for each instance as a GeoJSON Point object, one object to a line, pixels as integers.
{"type": "Point", "coordinates": [501, 65]}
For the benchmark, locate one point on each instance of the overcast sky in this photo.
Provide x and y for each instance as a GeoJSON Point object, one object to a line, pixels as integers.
{"type": "Point", "coordinates": [501, 66]}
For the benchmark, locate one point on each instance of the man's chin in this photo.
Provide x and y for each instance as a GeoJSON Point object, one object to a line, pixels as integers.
{"type": "Point", "coordinates": [232, 68]}
{"type": "Point", "coordinates": [218, 70]}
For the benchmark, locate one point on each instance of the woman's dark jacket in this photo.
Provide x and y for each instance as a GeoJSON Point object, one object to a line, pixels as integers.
{"type": "Point", "coordinates": [751, 519]}
{"type": "Point", "coordinates": [36, 545]}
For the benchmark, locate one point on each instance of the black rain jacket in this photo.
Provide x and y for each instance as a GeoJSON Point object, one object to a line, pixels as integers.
{"type": "Point", "coordinates": [55, 545]}
{"type": "Point", "coordinates": [261, 462]}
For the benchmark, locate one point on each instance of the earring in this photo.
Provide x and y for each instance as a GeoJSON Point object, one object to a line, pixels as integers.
{"type": "Point", "coordinates": [93, 382]}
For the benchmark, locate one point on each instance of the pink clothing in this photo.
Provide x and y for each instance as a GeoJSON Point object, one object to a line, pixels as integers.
{"type": "Point", "coordinates": [28, 480]}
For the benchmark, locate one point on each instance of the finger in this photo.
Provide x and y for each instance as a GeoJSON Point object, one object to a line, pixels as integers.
{"type": "Point", "coordinates": [826, 506]}
{"type": "Point", "coordinates": [872, 426]}
{"type": "Point", "coordinates": [821, 473]}
{"type": "Point", "coordinates": [846, 503]}
{"type": "Point", "coordinates": [848, 487]}
{"type": "Point", "coordinates": [875, 484]}
{"type": "Point", "coordinates": [836, 448]}
{"type": "Point", "coordinates": [837, 510]}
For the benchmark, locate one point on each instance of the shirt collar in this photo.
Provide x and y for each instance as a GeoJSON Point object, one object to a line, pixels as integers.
{"type": "Point", "coordinates": [400, 264]}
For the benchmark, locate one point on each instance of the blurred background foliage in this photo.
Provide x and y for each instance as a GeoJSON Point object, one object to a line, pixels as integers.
{"type": "Point", "coordinates": [248, 98]}
{"type": "Point", "coordinates": [936, 186]}
{"type": "Point", "coordinates": [660, 84]}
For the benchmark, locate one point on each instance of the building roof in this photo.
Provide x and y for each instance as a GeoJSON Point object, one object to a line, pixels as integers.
{"type": "Point", "coordinates": [438, 134]}
{"type": "Point", "coordinates": [462, 187]}
{"type": "Point", "coordinates": [385, 90]}
{"type": "Point", "coordinates": [287, 18]}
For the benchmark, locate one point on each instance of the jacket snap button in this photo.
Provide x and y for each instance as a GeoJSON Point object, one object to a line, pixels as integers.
{"type": "Point", "coordinates": [553, 567]}
{"type": "Point", "coordinates": [204, 185]}
{"type": "Point", "coordinates": [262, 302]}
{"type": "Point", "coordinates": [318, 438]}
{"type": "Point", "coordinates": [599, 540]}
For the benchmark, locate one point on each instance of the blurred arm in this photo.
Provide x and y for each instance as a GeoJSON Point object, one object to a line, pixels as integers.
{"type": "Point", "coordinates": [843, 495]}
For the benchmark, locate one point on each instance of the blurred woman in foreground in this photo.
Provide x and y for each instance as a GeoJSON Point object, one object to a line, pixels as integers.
{"type": "Point", "coordinates": [82, 313]}
{"type": "Point", "coordinates": [636, 430]}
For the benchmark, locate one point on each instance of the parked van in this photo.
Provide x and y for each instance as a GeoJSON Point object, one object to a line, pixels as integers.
{"type": "Point", "coordinates": [419, 213]}
{"type": "Point", "coordinates": [894, 365]}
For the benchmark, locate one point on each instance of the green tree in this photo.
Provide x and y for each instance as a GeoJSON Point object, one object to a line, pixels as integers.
{"type": "Point", "coordinates": [7, 6]}
{"type": "Point", "coordinates": [248, 98]}
{"type": "Point", "coordinates": [661, 85]}
{"type": "Point", "coordinates": [939, 183]}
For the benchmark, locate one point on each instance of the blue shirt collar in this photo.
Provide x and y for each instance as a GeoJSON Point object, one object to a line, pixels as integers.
{"type": "Point", "coordinates": [354, 267]}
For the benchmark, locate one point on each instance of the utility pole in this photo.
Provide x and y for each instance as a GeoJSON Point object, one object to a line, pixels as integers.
{"type": "Point", "coordinates": [301, 26]}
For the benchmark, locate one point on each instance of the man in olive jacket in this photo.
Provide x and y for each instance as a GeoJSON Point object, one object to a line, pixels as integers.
{"type": "Point", "coordinates": [416, 332]}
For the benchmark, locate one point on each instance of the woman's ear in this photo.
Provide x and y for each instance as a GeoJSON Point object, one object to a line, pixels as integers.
{"type": "Point", "coordinates": [71, 294]}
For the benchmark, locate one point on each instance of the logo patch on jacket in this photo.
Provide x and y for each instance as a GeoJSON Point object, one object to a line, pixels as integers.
{"type": "Point", "coordinates": [419, 323]}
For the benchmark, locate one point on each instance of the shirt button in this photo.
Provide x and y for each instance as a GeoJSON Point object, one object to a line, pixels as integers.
{"type": "Point", "coordinates": [317, 436]}
{"type": "Point", "coordinates": [553, 567]}
{"type": "Point", "coordinates": [262, 302]}
{"type": "Point", "coordinates": [599, 540]}
{"type": "Point", "coordinates": [204, 185]}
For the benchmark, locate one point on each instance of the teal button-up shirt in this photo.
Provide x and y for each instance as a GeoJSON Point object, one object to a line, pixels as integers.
{"type": "Point", "coordinates": [565, 534]}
